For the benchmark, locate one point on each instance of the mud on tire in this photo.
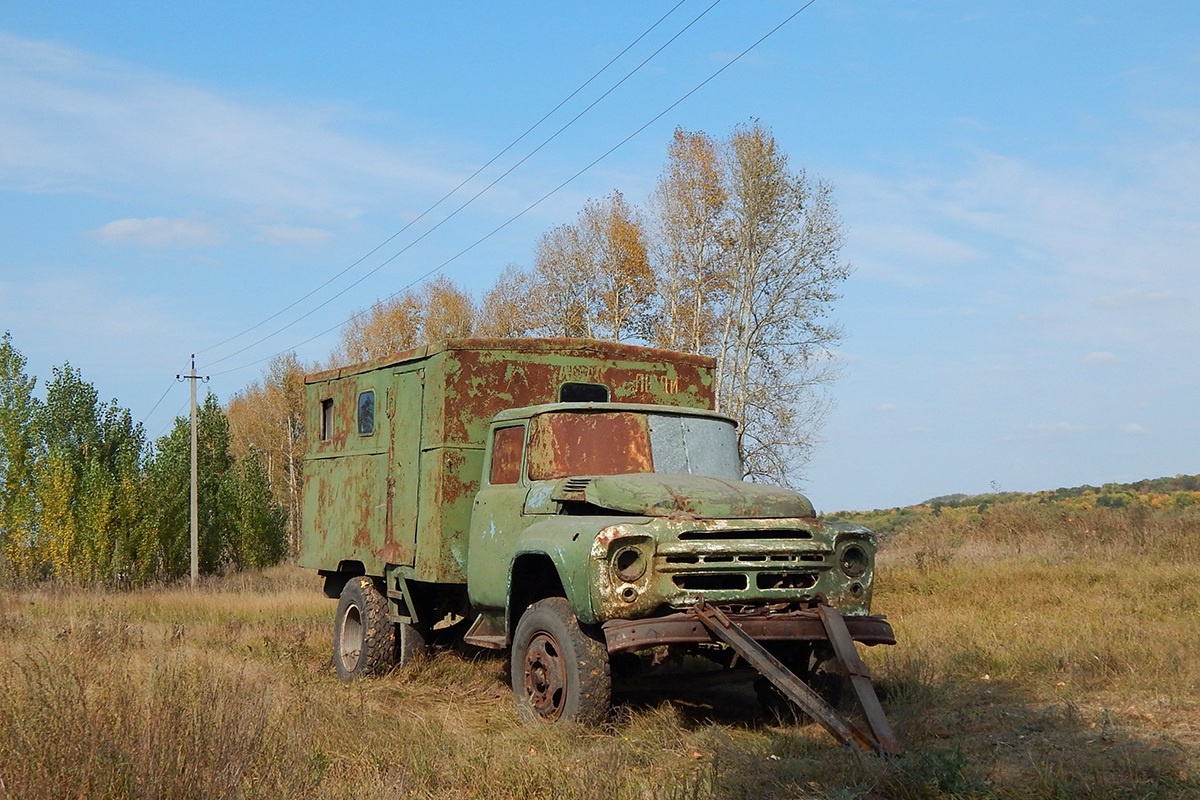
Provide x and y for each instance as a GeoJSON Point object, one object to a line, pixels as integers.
{"type": "Point", "coordinates": [558, 671]}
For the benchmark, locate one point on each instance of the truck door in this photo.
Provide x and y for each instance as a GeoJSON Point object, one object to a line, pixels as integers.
{"type": "Point", "coordinates": [496, 519]}
{"type": "Point", "coordinates": [404, 408]}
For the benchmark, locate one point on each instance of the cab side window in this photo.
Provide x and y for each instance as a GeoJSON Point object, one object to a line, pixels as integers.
{"type": "Point", "coordinates": [366, 413]}
{"type": "Point", "coordinates": [507, 444]}
{"type": "Point", "coordinates": [326, 419]}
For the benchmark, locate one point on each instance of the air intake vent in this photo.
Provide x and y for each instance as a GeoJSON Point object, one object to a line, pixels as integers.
{"type": "Point", "coordinates": [577, 485]}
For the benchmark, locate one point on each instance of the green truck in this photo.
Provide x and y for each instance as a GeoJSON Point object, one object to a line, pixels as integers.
{"type": "Point", "coordinates": [573, 501]}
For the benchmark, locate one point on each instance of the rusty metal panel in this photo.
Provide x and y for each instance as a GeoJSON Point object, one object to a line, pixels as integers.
{"type": "Point", "coordinates": [486, 376]}
{"type": "Point", "coordinates": [346, 475]}
{"type": "Point", "coordinates": [603, 443]}
{"type": "Point", "coordinates": [449, 480]}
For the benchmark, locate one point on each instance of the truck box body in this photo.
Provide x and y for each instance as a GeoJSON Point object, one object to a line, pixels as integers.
{"type": "Point", "coordinates": [396, 445]}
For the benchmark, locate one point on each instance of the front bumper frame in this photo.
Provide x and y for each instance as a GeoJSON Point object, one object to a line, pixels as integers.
{"type": "Point", "coordinates": [685, 627]}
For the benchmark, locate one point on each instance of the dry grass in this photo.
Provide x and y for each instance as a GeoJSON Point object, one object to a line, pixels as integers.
{"type": "Point", "coordinates": [1040, 671]}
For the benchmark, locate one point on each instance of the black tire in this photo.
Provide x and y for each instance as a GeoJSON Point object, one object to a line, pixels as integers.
{"type": "Point", "coordinates": [559, 673]}
{"type": "Point", "coordinates": [412, 644]}
{"type": "Point", "coordinates": [364, 639]}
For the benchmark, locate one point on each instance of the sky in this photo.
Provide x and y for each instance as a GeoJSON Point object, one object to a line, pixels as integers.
{"type": "Point", "coordinates": [1019, 184]}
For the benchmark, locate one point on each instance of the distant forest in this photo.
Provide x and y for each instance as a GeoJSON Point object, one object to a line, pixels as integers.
{"type": "Point", "coordinates": [1179, 492]}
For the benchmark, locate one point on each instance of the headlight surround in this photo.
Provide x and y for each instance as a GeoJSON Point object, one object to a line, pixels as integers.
{"type": "Point", "coordinates": [629, 563]}
{"type": "Point", "coordinates": [854, 560]}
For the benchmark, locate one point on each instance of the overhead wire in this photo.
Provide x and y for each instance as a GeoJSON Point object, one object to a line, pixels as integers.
{"type": "Point", "coordinates": [470, 200]}
{"type": "Point", "coordinates": [158, 402]}
{"type": "Point", "coordinates": [455, 190]}
{"type": "Point", "coordinates": [549, 194]}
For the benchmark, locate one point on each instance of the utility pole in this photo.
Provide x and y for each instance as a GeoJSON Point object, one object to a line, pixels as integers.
{"type": "Point", "coordinates": [195, 515]}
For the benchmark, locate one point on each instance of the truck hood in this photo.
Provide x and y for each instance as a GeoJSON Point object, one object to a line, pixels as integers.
{"type": "Point", "coordinates": [659, 495]}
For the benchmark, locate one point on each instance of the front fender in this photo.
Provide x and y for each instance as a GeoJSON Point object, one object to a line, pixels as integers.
{"type": "Point", "coordinates": [568, 544]}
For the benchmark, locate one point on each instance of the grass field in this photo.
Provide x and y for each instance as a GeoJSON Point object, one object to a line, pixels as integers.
{"type": "Point", "coordinates": [1037, 659]}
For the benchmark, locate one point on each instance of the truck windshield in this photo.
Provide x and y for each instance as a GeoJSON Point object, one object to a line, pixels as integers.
{"type": "Point", "coordinates": [568, 444]}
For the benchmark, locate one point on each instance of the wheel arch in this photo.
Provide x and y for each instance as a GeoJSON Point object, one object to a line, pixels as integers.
{"type": "Point", "coordinates": [336, 579]}
{"type": "Point", "coordinates": [534, 576]}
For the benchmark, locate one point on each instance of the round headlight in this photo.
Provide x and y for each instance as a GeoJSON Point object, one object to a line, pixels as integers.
{"type": "Point", "coordinates": [854, 561]}
{"type": "Point", "coordinates": [629, 564]}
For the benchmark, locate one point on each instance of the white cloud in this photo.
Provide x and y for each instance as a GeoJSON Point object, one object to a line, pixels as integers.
{"type": "Point", "coordinates": [1136, 429]}
{"type": "Point", "coordinates": [157, 232]}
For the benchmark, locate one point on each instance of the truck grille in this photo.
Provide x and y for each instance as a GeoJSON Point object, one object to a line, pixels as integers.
{"type": "Point", "coordinates": [713, 568]}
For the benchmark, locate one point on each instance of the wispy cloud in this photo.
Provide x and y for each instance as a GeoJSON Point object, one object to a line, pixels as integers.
{"type": "Point", "coordinates": [157, 232]}
{"type": "Point", "coordinates": [71, 121]}
{"type": "Point", "coordinates": [1053, 246]}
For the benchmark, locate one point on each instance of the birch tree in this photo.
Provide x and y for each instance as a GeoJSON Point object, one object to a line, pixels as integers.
{"type": "Point", "coordinates": [506, 310]}
{"type": "Point", "coordinates": [447, 312]}
{"type": "Point", "coordinates": [563, 287]}
{"type": "Point", "coordinates": [387, 327]}
{"type": "Point", "coordinates": [615, 256]}
{"type": "Point", "coordinates": [689, 211]}
{"type": "Point", "coordinates": [783, 271]}
{"type": "Point", "coordinates": [266, 422]}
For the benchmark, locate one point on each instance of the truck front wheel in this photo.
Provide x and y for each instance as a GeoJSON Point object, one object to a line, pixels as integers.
{"type": "Point", "coordinates": [364, 639]}
{"type": "Point", "coordinates": [558, 671]}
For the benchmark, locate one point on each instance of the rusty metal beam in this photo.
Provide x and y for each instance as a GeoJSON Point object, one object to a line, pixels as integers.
{"type": "Point", "coordinates": [686, 628]}
{"type": "Point", "coordinates": [860, 680]}
{"type": "Point", "coordinates": [784, 679]}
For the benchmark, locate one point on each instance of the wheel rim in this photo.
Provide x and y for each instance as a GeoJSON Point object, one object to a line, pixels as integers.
{"type": "Point", "coordinates": [350, 643]}
{"type": "Point", "coordinates": [545, 672]}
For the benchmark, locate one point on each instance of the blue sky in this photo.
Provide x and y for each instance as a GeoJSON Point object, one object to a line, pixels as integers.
{"type": "Point", "coordinates": [1020, 186]}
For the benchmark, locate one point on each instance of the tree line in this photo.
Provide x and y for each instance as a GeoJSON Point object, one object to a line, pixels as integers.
{"type": "Point", "coordinates": [85, 498]}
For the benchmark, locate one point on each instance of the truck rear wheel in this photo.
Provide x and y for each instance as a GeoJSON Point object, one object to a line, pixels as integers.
{"type": "Point", "coordinates": [412, 644]}
{"type": "Point", "coordinates": [364, 639]}
{"type": "Point", "coordinates": [558, 671]}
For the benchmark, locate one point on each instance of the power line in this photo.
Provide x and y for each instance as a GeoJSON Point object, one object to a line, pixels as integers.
{"type": "Point", "coordinates": [171, 422]}
{"type": "Point", "coordinates": [549, 194]}
{"type": "Point", "coordinates": [158, 402]}
{"type": "Point", "coordinates": [455, 190]}
{"type": "Point", "coordinates": [471, 199]}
